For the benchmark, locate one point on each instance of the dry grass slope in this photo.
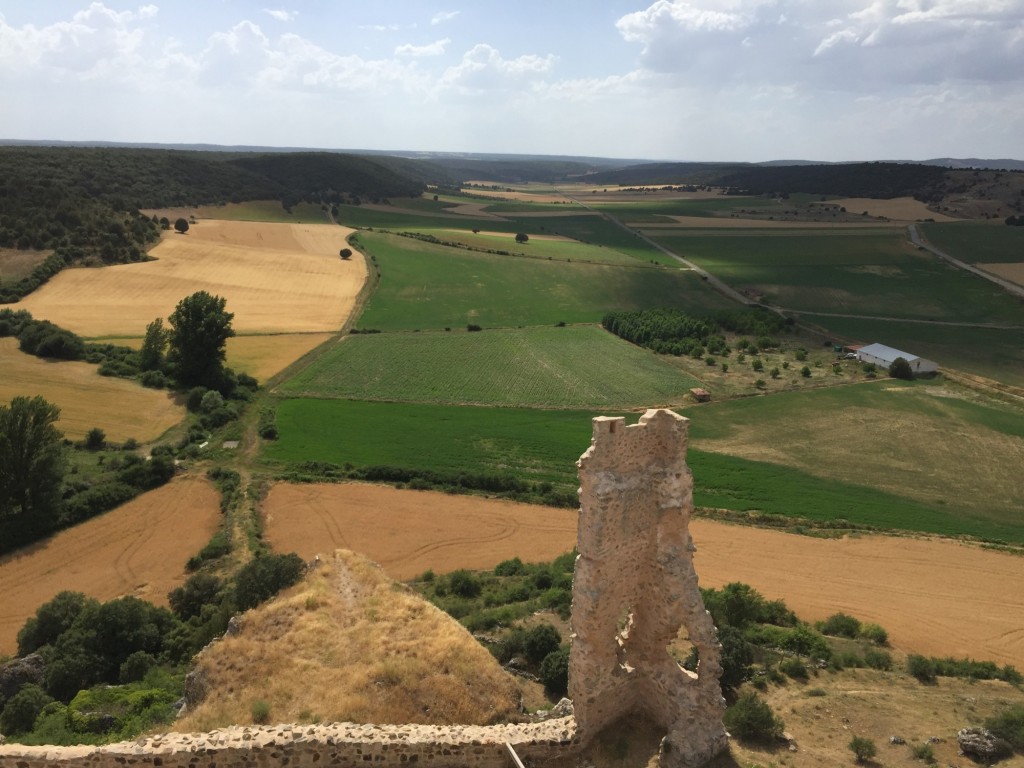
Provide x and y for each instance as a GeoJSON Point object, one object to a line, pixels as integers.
{"type": "Point", "coordinates": [349, 645]}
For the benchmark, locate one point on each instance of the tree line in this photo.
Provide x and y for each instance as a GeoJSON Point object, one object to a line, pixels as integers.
{"type": "Point", "coordinates": [674, 332]}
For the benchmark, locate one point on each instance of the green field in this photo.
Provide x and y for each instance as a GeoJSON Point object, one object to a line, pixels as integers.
{"type": "Point", "coordinates": [268, 210]}
{"type": "Point", "coordinates": [847, 271]}
{"type": "Point", "coordinates": [978, 243]}
{"type": "Point", "coordinates": [542, 446]}
{"type": "Point", "coordinates": [427, 286]}
{"type": "Point", "coordinates": [574, 367]}
{"type": "Point", "coordinates": [539, 246]}
{"type": "Point", "coordinates": [938, 445]}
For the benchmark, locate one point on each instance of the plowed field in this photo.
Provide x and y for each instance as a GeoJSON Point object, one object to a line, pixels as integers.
{"type": "Point", "coordinates": [137, 549]}
{"type": "Point", "coordinates": [277, 278]}
{"type": "Point", "coordinates": [933, 596]}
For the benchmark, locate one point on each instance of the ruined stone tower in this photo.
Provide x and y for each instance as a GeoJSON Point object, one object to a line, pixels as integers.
{"type": "Point", "coordinates": [635, 588]}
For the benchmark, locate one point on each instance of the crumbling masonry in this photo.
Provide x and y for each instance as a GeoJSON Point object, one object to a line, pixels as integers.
{"type": "Point", "coordinates": [634, 589]}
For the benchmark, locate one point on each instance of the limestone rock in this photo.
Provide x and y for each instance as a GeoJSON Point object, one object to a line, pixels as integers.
{"type": "Point", "coordinates": [982, 744]}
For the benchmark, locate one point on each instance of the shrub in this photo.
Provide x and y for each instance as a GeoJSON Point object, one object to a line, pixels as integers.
{"type": "Point", "coordinates": [554, 672]}
{"type": "Point", "coordinates": [800, 355]}
{"type": "Point", "coordinates": [751, 719]}
{"type": "Point", "coordinates": [840, 625]}
{"type": "Point", "coordinates": [1008, 724]}
{"type": "Point", "coordinates": [874, 633]}
{"type": "Point", "coordinates": [794, 668]}
{"type": "Point", "coordinates": [95, 439]}
{"type": "Point", "coordinates": [540, 641]}
{"type": "Point", "coordinates": [199, 590]}
{"type": "Point", "coordinates": [22, 709]}
{"type": "Point", "coordinates": [513, 567]}
{"type": "Point", "coordinates": [757, 365]}
{"type": "Point", "coordinates": [737, 657]}
{"type": "Point", "coordinates": [923, 752]}
{"type": "Point", "coordinates": [863, 748]}
{"type": "Point", "coordinates": [464, 584]}
{"type": "Point", "coordinates": [264, 576]}
{"type": "Point", "coordinates": [135, 667]}
{"type": "Point", "coordinates": [260, 712]}
{"type": "Point", "coordinates": [805, 372]}
{"type": "Point", "coordinates": [921, 667]}
{"type": "Point", "coordinates": [473, 327]}
{"type": "Point", "coordinates": [877, 659]}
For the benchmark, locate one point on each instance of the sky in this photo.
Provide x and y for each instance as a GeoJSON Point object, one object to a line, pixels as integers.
{"type": "Point", "coordinates": [704, 80]}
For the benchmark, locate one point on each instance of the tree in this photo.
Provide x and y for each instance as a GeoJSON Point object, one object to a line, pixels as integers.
{"type": "Point", "coordinates": [345, 253]}
{"type": "Point", "coordinates": [522, 237]}
{"type": "Point", "coordinates": [900, 369]}
{"type": "Point", "coordinates": [181, 226]}
{"type": "Point", "coordinates": [863, 748]}
{"type": "Point", "coordinates": [151, 356]}
{"type": "Point", "coordinates": [200, 328]}
{"type": "Point", "coordinates": [31, 469]}
{"type": "Point", "coordinates": [751, 719]}
{"type": "Point", "coordinates": [95, 439]}
{"type": "Point", "coordinates": [540, 641]}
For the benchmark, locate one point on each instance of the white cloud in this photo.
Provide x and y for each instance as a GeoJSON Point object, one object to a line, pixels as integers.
{"type": "Point", "coordinates": [281, 15]}
{"type": "Point", "coordinates": [431, 49]}
{"type": "Point", "coordinates": [483, 68]}
{"type": "Point", "coordinates": [440, 18]}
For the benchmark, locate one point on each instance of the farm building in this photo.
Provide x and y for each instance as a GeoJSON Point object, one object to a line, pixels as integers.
{"type": "Point", "coordinates": [883, 356]}
{"type": "Point", "coordinates": [700, 395]}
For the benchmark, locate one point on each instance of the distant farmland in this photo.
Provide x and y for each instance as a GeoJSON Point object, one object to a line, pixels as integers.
{"type": "Point", "coordinates": [575, 367]}
{"type": "Point", "coordinates": [429, 286]}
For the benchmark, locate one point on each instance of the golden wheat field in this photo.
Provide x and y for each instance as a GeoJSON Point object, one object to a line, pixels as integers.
{"type": "Point", "coordinates": [1012, 272]}
{"type": "Point", "coordinates": [898, 208]}
{"type": "Point", "coordinates": [936, 597]}
{"type": "Point", "coordinates": [120, 407]}
{"type": "Point", "coordinates": [277, 278]}
{"type": "Point", "coordinates": [138, 549]}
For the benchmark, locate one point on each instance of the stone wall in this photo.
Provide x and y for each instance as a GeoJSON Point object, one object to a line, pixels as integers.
{"type": "Point", "coordinates": [338, 744]}
{"type": "Point", "coordinates": [634, 589]}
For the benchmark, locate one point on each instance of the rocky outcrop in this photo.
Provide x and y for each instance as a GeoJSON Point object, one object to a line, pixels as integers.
{"type": "Point", "coordinates": [635, 588]}
{"type": "Point", "coordinates": [983, 745]}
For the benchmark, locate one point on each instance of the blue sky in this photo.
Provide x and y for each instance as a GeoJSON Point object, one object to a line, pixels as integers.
{"type": "Point", "coordinates": [658, 79]}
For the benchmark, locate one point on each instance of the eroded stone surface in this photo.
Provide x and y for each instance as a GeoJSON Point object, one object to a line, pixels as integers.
{"type": "Point", "coordinates": [635, 588]}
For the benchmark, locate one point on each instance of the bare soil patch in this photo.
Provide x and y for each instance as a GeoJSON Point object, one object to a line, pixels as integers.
{"type": "Point", "coordinates": [898, 208]}
{"type": "Point", "coordinates": [15, 264]}
{"type": "Point", "coordinates": [137, 549]}
{"type": "Point", "coordinates": [277, 278]}
{"type": "Point", "coordinates": [120, 407]}
{"type": "Point", "coordinates": [936, 597]}
{"type": "Point", "coordinates": [1012, 272]}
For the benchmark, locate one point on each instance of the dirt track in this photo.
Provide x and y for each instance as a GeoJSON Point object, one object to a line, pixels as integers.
{"type": "Point", "coordinates": [138, 549]}
{"type": "Point", "coordinates": [933, 597]}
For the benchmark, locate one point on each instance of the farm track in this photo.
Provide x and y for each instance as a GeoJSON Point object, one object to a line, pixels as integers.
{"type": "Point", "coordinates": [1009, 287]}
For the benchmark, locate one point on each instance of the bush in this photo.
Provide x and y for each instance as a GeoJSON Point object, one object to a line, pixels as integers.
{"type": "Point", "coordinates": [264, 576]}
{"type": "Point", "coordinates": [199, 590]}
{"type": "Point", "coordinates": [877, 659]}
{"type": "Point", "coordinates": [923, 752]}
{"type": "Point", "coordinates": [805, 372]}
{"type": "Point", "coordinates": [863, 748]}
{"type": "Point", "coordinates": [95, 439]}
{"type": "Point", "coordinates": [874, 634]}
{"type": "Point", "coordinates": [840, 625]}
{"type": "Point", "coordinates": [554, 672]}
{"type": "Point", "coordinates": [22, 709]}
{"type": "Point", "coordinates": [794, 668]}
{"type": "Point", "coordinates": [921, 667]}
{"type": "Point", "coordinates": [751, 719]}
{"type": "Point", "coordinates": [464, 584]}
{"type": "Point", "coordinates": [540, 641]}
{"type": "Point", "coordinates": [135, 667]}
{"type": "Point", "coordinates": [260, 712]}
{"type": "Point", "coordinates": [513, 567]}
{"type": "Point", "coordinates": [736, 659]}
{"type": "Point", "coordinates": [1008, 724]}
